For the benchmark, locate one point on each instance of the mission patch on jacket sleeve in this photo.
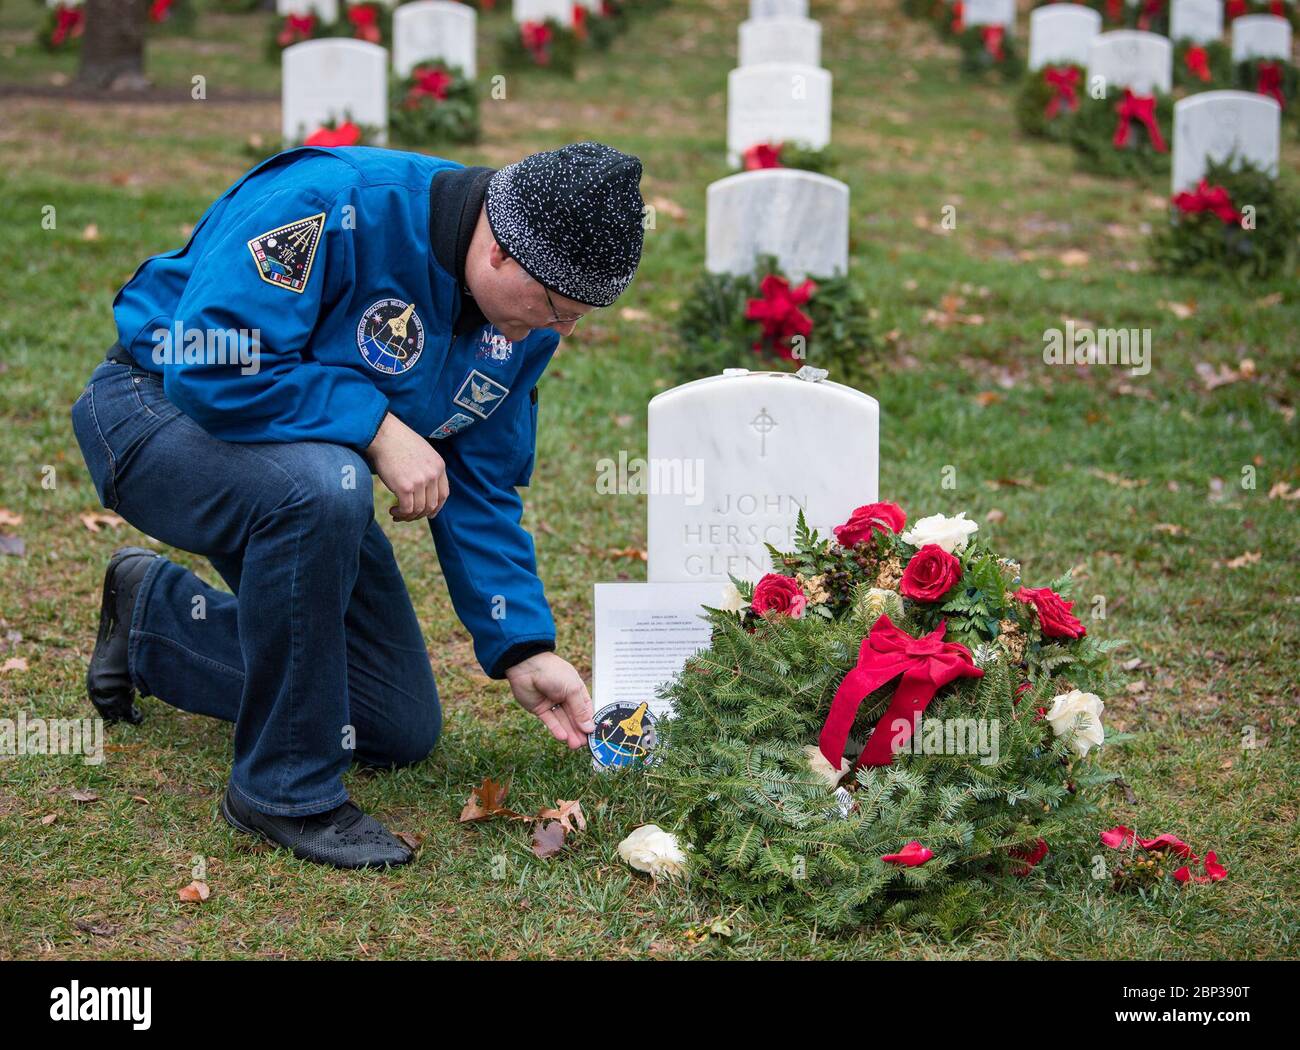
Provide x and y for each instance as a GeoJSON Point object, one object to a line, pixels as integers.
{"type": "Point", "coordinates": [284, 255]}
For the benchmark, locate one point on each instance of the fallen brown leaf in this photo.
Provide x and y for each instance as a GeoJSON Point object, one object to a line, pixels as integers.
{"type": "Point", "coordinates": [15, 663]}
{"type": "Point", "coordinates": [8, 517]}
{"type": "Point", "coordinates": [93, 520]}
{"type": "Point", "coordinates": [1242, 560]}
{"type": "Point", "coordinates": [548, 839]}
{"type": "Point", "coordinates": [84, 795]}
{"type": "Point", "coordinates": [195, 893]}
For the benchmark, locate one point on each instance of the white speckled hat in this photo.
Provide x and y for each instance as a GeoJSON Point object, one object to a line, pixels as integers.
{"type": "Point", "coordinates": [571, 217]}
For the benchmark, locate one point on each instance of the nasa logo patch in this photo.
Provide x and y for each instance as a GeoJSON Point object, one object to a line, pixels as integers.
{"type": "Point", "coordinates": [480, 394]}
{"type": "Point", "coordinates": [284, 256]}
{"type": "Point", "coordinates": [625, 733]}
{"type": "Point", "coordinates": [495, 347]}
{"type": "Point", "coordinates": [454, 425]}
{"type": "Point", "coordinates": [390, 336]}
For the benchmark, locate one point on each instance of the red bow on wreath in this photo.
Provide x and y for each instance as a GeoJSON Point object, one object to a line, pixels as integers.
{"type": "Point", "coordinates": [958, 18]}
{"type": "Point", "coordinates": [158, 10]}
{"type": "Point", "coordinates": [296, 28]}
{"type": "Point", "coordinates": [926, 664]}
{"type": "Point", "coordinates": [1065, 82]}
{"type": "Point", "coordinates": [1141, 108]}
{"type": "Point", "coordinates": [1277, 7]}
{"type": "Point", "coordinates": [346, 134]}
{"type": "Point", "coordinates": [68, 22]}
{"type": "Point", "coordinates": [763, 155]}
{"type": "Point", "coordinates": [779, 314]}
{"type": "Point", "coordinates": [430, 82]}
{"type": "Point", "coordinates": [1270, 82]}
{"type": "Point", "coordinates": [1150, 9]}
{"type": "Point", "coordinates": [1115, 10]}
{"type": "Point", "coordinates": [1234, 8]}
{"type": "Point", "coordinates": [365, 22]}
{"type": "Point", "coordinates": [1208, 198]}
{"type": "Point", "coordinates": [993, 42]}
{"type": "Point", "coordinates": [580, 21]}
{"type": "Point", "coordinates": [1198, 62]}
{"type": "Point", "coordinates": [536, 38]}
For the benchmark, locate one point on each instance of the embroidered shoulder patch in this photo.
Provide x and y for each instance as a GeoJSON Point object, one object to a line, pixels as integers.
{"type": "Point", "coordinates": [284, 255]}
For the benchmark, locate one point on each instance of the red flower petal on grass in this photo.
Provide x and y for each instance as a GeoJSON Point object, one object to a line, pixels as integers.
{"type": "Point", "coordinates": [1118, 837]}
{"type": "Point", "coordinates": [1031, 855]}
{"type": "Point", "coordinates": [1172, 843]}
{"type": "Point", "coordinates": [1214, 871]}
{"type": "Point", "coordinates": [912, 855]}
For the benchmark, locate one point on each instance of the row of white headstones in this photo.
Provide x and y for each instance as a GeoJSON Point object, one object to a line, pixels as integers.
{"type": "Point", "coordinates": [1209, 125]}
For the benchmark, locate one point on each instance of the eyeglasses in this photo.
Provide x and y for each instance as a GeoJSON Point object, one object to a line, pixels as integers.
{"type": "Point", "coordinates": [555, 317]}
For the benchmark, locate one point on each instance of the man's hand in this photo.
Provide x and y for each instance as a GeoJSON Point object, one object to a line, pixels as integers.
{"type": "Point", "coordinates": [409, 468]}
{"type": "Point", "coordinates": [550, 688]}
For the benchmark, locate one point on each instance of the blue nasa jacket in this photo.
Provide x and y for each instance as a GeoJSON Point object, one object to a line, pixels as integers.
{"type": "Point", "coordinates": [347, 268]}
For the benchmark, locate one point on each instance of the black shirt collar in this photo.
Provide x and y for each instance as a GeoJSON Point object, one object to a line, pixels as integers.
{"type": "Point", "coordinates": [455, 201]}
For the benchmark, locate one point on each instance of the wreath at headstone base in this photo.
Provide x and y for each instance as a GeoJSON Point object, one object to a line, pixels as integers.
{"type": "Point", "coordinates": [1275, 77]}
{"type": "Point", "coordinates": [436, 103]}
{"type": "Point", "coordinates": [989, 49]}
{"type": "Point", "coordinates": [1048, 99]}
{"type": "Point", "coordinates": [1202, 67]}
{"type": "Point", "coordinates": [1239, 222]}
{"type": "Point", "coordinates": [798, 155]}
{"type": "Point", "coordinates": [1095, 130]}
{"type": "Point", "coordinates": [763, 320]}
{"type": "Point", "coordinates": [545, 45]}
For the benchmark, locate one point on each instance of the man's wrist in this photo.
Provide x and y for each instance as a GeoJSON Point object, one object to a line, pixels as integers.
{"type": "Point", "coordinates": [518, 653]}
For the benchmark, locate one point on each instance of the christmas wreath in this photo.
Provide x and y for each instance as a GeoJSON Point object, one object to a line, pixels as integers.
{"type": "Point", "coordinates": [1124, 133]}
{"type": "Point", "coordinates": [887, 725]}
{"type": "Point", "coordinates": [1151, 16]}
{"type": "Point", "coordinates": [1234, 9]}
{"type": "Point", "coordinates": [764, 320]}
{"type": "Point", "coordinates": [368, 20]}
{"type": "Point", "coordinates": [64, 24]}
{"type": "Point", "coordinates": [610, 21]}
{"type": "Point", "coordinates": [788, 155]}
{"type": "Point", "coordinates": [1202, 67]}
{"type": "Point", "coordinates": [1238, 222]}
{"type": "Point", "coordinates": [1274, 77]}
{"type": "Point", "coordinates": [295, 29]}
{"type": "Point", "coordinates": [541, 45]}
{"type": "Point", "coordinates": [987, 49]}
{"type": "Point", "coordinates": [1048, 99]}
{"type": "Point", "coordinates": [436, 103]}
{"type": "Point", "coordinates": [1114, 13]}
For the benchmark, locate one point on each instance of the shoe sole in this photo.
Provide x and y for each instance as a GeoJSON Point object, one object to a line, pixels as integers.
{"type": "Point", "coordinates": [239, 825]}
{"type": "Point", "coordinates": [107, 613]}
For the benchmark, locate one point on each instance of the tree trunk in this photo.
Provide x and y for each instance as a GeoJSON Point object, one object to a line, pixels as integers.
{"type": "Point", "coordinates": [112, 48]}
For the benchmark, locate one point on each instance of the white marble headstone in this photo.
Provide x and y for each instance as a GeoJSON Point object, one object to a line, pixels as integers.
{"type": "Point", "coordinates": [327, 11]}
{"type": "Point", "coordinates": [1260, 36]}
{"type": "Point", "coordinates": [1200, 21]}
{"type": "Point", "coordinates": [778, 8]}
{"type": "Point", "coordinates": [767, 445]}
{"type": "Point", "coordinates": [330, 80]}
{"type": "Point", "coordinates": [434, 30]}
{"type": "Point", "coordinates": [1218, 125]}
{"type": "Point", "coordinates": [990, 13]}
{"type": "Point", "coordinates": [777, 102]}
{"type": "Point", "coordinates": [801, 217]}
{"type": "Point", "coordinates": [541, 10]}
{"type": "Point", "coordinates": [1060, 34]}
{"type": "Point", "coordinates": [1131, 58]}
{"type": "Point", "coordinates": [780, 40]}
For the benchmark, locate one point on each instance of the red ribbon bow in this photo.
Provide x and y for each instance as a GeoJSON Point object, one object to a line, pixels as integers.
{"type": "Point", "coordinates": [365, 22]}
{"type": "Point", "coordinates": [1115, 10]}
{"type": "Point", "coordinates": [580, 21]}
{"type": "Point", "coordinates": [958, 18]}
{"type": "Point", "coordinates": [1270, 82]}
{"type": "Point", "coordinates": [1198, 61]}
{"type": "Point", "coordinates": [158, 10]}
{"type": "Point", "coordinates": [1141, 108]}
{"type": "Point", "coordinates": [1150, 9]}
{"type": "Point", "coordinates": [927, 664]}
{"type": "Point", "coordinates": [1208, 198]}
{"type": "Point", "coordinates": [1234, 8]}
{"type": "Point", "coordinates": [1277, 7]}
{"type": "Point", "coordinates": [346, 134]}
{"type": "Point", "coordinates": [763, 155]}
{"type": "Point", "coordinates": [295, 29]}
{"type": "Point", "coordinates": [993, 42]}
{"type": "Point", "coordinates": [1065, 82]}
{"type": "Point", "coordinates": [778, 312]}
{"type": "Point", "coordinates": [68, 22]}
{"type": "Point", "coordinates": [430, 82]}
{"type": "Point", "coordinates": [536, 37]}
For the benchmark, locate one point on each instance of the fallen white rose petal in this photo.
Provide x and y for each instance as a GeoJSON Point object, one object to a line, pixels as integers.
{"type": "Point", "coordinates": [655, 851]}
{"type": "Point", "coordinates": [819, 764]}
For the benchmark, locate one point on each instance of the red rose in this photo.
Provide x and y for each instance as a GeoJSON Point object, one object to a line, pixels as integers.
{"type": "Point", "coordinates": [874, 517]}
{"type": "Point", "coordinates": [1053, 612]}
{"type": "Point", "coordinates": [779, 594]}
{"type": "Point", "coordinates": [930, 574]}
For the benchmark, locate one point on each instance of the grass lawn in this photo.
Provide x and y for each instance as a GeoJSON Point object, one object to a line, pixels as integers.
{"type": "Point", "coordinates": [1137, 481]}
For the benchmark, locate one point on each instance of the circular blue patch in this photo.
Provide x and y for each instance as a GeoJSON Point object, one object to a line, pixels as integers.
{"type": "Point", "coordinates": [390, 336]}
{"type": "Point", "coordinates": [625, 733]}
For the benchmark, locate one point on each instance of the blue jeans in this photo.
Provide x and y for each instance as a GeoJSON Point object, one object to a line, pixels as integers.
{"type": "Point", "coordinates": [317, 656]}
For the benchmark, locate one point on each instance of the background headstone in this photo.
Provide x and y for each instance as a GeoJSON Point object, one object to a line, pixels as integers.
{"type": "Point", "coordinates": [1061, 33]}
{"type": "Point", "coordinates": [777, 102]}
{"type": "Point", "coordinates": [778, 8]}
{"type": "Point", "coordinates": [1222, 124]}
{"type": "Point", "coordinates": [990, 13]}
{"type": "Point", "coordinates": [1260, 36]}
{"type": "Point", "coordinates": [330, 80]}
{"type": "Point", "coordinates": [326, 11]}
{"type": "Point", "coordinates": [801, 217]}
{"type": "Point", "coordinates": [769, 445]}
{"type": "Point", "coordinates": [780, 40]}
{"type": "Point", "coordinates": [1130, 58]}
{"type": "Point", "coordinates": [434, 30]}
{"type": "Point", "coordinates": [1200, 21]}
{"type": "Point", "coordinates": [560, 11]}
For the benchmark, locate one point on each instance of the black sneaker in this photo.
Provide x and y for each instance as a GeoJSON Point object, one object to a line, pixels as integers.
{"type": "Point", "coordinates": [344, 837]}
{"type": "Point", "coordinates": [107, 679]}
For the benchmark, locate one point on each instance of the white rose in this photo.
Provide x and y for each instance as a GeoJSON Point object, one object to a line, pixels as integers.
{"type": "Point", "coordinates": [1080, 714]}
{"type": "Point", "coordinates": [732, 600]}
{"type": "Point", "coordinates": [818, 763]}
{"type": "Point", "coordinates": [952, 534]}
{"type": "Point", "coordinates": [651, 849]}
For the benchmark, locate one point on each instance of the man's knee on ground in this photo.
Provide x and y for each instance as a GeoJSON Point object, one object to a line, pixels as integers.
{"type": "Point", "coordinates": [334, 489]}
